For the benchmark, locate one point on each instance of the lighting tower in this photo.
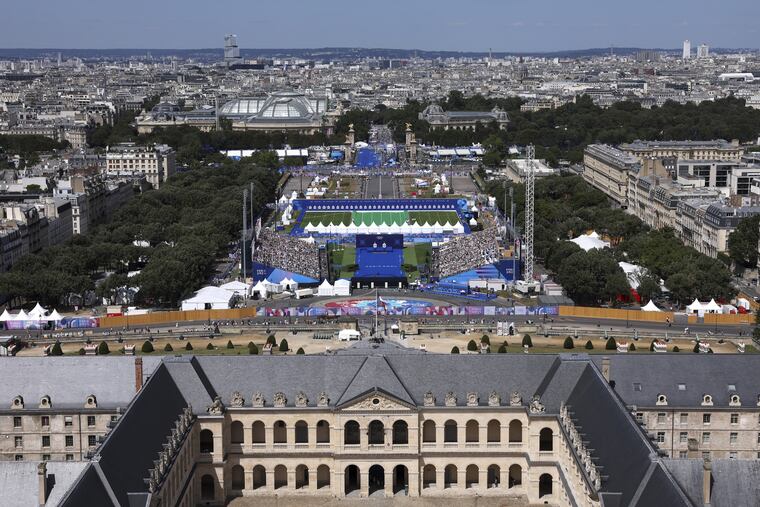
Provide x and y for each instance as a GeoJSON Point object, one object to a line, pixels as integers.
{"type": "Point", "coordinates": [530, 181]}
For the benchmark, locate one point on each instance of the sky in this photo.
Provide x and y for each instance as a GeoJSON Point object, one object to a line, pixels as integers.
{"type": "Point", "coordinates": [459, 25]}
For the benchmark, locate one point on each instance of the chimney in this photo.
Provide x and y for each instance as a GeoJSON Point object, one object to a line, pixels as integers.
{"type": "Point", "coordinates": [42, 483]}
{"type": "Point", "coordinates": [138, 373]}
{"type": "Point", "coordinates": [606, 368]}
{"type": "Point", "coordinates": [706, 481]}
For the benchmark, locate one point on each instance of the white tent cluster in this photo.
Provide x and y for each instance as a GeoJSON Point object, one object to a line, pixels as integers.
{"type": "Point", "coordinates": [342, 287]}
{"type": "Point", "coordinates": [590, 241]}
{"type": "Point", "coordinates": [702, 308]}
{"type": "Point", "coordinates": [36, 314]}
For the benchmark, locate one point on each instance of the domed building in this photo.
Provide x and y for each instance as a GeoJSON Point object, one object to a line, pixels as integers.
{"type": "Point", "coordinates": [280, 111]}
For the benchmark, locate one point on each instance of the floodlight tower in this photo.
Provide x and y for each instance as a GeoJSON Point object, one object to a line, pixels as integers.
{"type": "Point", "coordinates": [530, 182]}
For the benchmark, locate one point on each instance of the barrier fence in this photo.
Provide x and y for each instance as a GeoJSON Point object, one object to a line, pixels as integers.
{"type": "Point", "coordinates": [614, 313]}
{"type": "Point", "coordinates": [153, 318]}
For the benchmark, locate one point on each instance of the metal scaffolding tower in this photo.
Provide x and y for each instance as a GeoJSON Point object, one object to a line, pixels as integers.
{"type": "Point", "coordinates": [530, 182]}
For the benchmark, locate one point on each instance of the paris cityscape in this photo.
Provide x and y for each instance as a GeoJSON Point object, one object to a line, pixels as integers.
{"type": "Point", "coordinates": [431, 254]}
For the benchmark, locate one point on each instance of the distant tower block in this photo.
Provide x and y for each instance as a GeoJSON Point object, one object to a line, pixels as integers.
{"type": "Point", "coordinates": [703, 51]}
{"type": "Point", "coordinates": [231, 50]}
{"type": "Point", "coordinates": [686, 49]}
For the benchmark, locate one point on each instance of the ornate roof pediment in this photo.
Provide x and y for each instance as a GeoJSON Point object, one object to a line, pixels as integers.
{"type": "Point", "coordinates": [375, 401]}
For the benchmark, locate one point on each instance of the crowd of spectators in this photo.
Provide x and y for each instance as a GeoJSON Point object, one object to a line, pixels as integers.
{"type": "Point", "coordinates": [466, 252]}
{"type": "Point", "coordinates": [287, 253]}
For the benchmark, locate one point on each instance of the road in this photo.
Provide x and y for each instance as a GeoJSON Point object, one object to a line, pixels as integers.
{"type": "Point", "coordinates": [380, 187]}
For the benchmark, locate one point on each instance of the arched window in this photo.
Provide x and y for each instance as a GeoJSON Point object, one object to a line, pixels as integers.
{"type": "Point", "coordinates": [376, 478]}
{"type": "Point", "coordinates": [236, 432]}
{"type": "Point", "coordinates": [259, 433]}
{"type": "Point", "coordinates": [449, 476]}
{"type": "Point", "coordinates": [302, 432]}
{"type": "Point", "coordinates": [494, 476]}
{"type": "Point", "coordinates": [280, 476]}
{"type": "Point", "coordinates": [400, 433]}
{"type": "Point", "coordinates": [428, 476]}
{"type": "Point", "coordinates": [351, 479]}
{"type": "Point", "coordinates": [494, 431]}
{"type": "Point", "coordinates": [207, 487]}
{"type": "Point", "coordinates": [472, 476]}
{"type": "Point", "coordinates": [280, 432]}
{"type": "Point", "coordinates": [450, 431]}
{"type": "Point", "coordinates": [546, 440]}
{"type": "Point", "coordinates": [323, 432]}
{"type": "Point", "coordinates": [544, 485]}
{"type": "Point", "coordinates": [238, 478]}
{"type": "Point", "coordinates": [323, 476]}
{"type": "Point", "coordinates": [515, 430]}
{"type": "Point", "coordinates": [428, 431]}
{"type": "Point", "coordinates": [376, 433]}
{"type": "Point", "coordinates": [351, 433]}
{"type": "Point", "coordinates": [400, 479]}
{"type": "Point", "coordinates": [259, 477]}
{"type": "Point", "coordinates": [302, 476]}
{"type": "Point", "coordinates": [207, 441]}
{"type": "Point", "coordinates": [515, 476]}
{"type": "Point", "coordinates": [472, 431]}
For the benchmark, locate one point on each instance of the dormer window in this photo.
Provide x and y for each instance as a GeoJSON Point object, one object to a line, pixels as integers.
{"type": "Point", "coordinates": [18, 402]}
{"type": "Point", "coordinates": [734, 401]}
{"type": "Point", "coordinates": [91, 402]}
{"type": "Point", "coordinates": [707, 400]}
{"type": "Point", "coordinates": [662, 399]}
{"type": "Point", "coordinates": [45, 402]}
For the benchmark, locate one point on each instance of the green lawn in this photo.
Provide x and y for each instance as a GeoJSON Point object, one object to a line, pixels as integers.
{"type": "Point", "coordinates": [415, 255]}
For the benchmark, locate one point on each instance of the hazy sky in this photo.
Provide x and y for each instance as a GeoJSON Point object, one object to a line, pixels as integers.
{"type": "Point", "coordinates": [467, 25]}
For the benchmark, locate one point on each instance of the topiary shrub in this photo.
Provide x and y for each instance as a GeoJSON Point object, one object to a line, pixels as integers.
{"type": "Point", "coordinates": [503, 349]}
{"type": "Point", "coordinates": [210, 346]}
{"type": "Point", "coordinates": [230, 345]}
{"type": "Point", "coordinates": [527, 341]}
{"type": "Point", "coordinates": [272, 340]}
{"type": "Point", "coordinates": [631, 348]}
{"type": "Point", "coordinates": [589, 345]}
{"type": "Point", "coordinates": [284, 345]}
{"type": "Point", "coordinates": [455, 350]}
{"type": "Point", "coordinates": [472, 346]}
{"type": "Point", "coordinates": [253, 349]}
{"type": "Point", "coordinates": [568, 343]}
{"type": "Point", "coordinates": [147, 347]}
{"type": "Point", "coordinates": [103, 349]}
{"type": "Point", "coordinates": [485, 339]}
{"type": "Point", "coordinates": [168, 348]}
{"type": "Point", "coordinates": [56, 350]}
{"type": "Point", "coordinates": [300, 351]}
{"type": "Point", "coordinates": [696, 348]}
{"type": "Point", "coordinates": [82, 352]}
{"type": "Point", "coordinates": [611, 344]}
{"type": "Point", "coordinates": [676, 349]}
{"type": "Point", "coordinates": [188, 346]}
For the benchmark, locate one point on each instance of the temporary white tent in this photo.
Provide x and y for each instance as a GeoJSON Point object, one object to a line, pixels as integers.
{"type": "Point", "coordinates": [21, 316]}
{"type": "Point", "coordinates": [54, 316]}
{"type": "Point", "coordinates": [326, 289]}
{"type": "Point", "coordinates": [712, 307]}
{"type": "Point", "coordinates": [259, 289]}
{"type": "Point", "coordinates": [695, 307]}
{"type": "Point", "coordinates": [590, 241]}
{"type": "Point", "coordinates": [342, 287]}
{"type": "Point", "coordinates": [288, 284]}
{"type": "Point", "coordinates": [209, 298]}
{"type": "Point", "coordinates": [38, 312]}
{"type": "Point", "coordinates": [5, 317]}
{"type": "Point", "coordinates": [348, 334]}
{"type": "Point", "coordinates": [650, 307]}
{"type": "Point", "coordinates": [236, 287]}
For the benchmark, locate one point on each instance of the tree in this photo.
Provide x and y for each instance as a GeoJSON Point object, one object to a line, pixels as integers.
{"type": "Point", "coordinates": [611, 344]}
{"type": "Point", "coordinates": [300, 351]}
{"type": "Point", "coordinates": [502, 349]}
{"type": "Point", "coordinates": [56, 350]}
{"type": "Point", "coordinates": [631, 347]}
{"type": "Point", "coordinates": [284, 345]}
{"type": "Point", "coordinates": [271, 340]}
{"type": "Point", "coordinates": [472, 346]}
{"type": "Point", "coordinates": [527, 341]}
{"type": "Point", "coordinates": [455, 350]}
{"type": "Point", "coordinates": [589, 345]}
{"type": "Point", "coordinates": [168, 348]}
{"type": "Point", "coordinates": [742, 243]}
{"type": "Point", "coordinates": [568, 343]}
{"type": "Point", "coordinates": [103, 349]}
{"type": "Point", "coordinates": [649, 286]}
{"type": "Point", "coordinates": [147, 347]}
{"type": "Point", "coordinates": [485, 339]}
{"type": "Point", "coordinates": [252, 349]}
{"type": "Point", "coordinates": [230, 345]}
{"type": "Point", "coordinates": [188, 346]}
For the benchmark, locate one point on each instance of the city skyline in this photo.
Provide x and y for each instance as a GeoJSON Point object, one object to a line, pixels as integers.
{"type": "Point", "coordinates": [443, 26]}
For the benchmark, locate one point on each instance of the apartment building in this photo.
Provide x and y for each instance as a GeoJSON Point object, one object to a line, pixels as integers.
{"type": "Point", "coordinates": [607, 169]}
{"type": "Point", "coordinates": [157, 163]}
{"type": "Point", "coordinates": [63, 418]}
{"type": "Point", "coordinates": [717, 149]}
